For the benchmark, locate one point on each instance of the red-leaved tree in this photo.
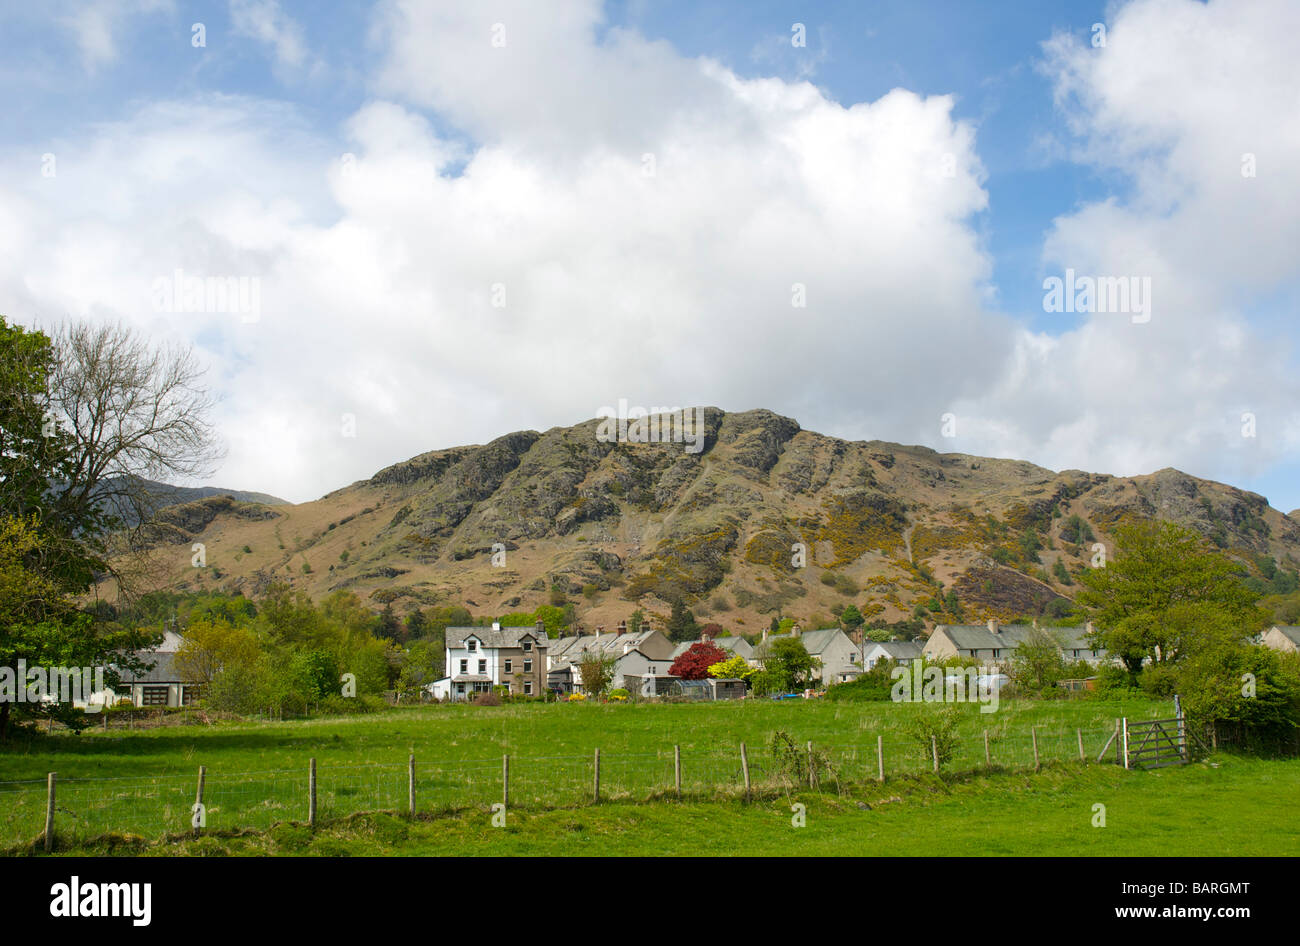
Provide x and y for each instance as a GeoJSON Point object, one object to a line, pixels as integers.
{"type": "Point", "coordinates": [695, 663]}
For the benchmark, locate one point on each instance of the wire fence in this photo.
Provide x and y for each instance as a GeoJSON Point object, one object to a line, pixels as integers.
{"type": "Point", "coordinates": [157, 806]}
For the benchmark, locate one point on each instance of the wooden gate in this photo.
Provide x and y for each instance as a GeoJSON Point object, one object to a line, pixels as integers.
{"type": "Point", "coordinates": [1151, 744]}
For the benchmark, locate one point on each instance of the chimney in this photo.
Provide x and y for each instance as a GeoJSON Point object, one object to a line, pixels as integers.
{"type": "Point", "coordinates": [993, 626]}
{"type": "Point", "coordinates": [622, 627]}
{"type": "Point", "coordinates": [796, 630]}
{"type": "Point", "coordinates": [1089, 629]}
{"type": "Point", "coordinates": [764, 634]}
{"type": "Point", "coordinates": [541, 628]}
{"type": "Point", "coordinates": [496, 625]}
{"type": "Point", "coordinates": [626, 648]}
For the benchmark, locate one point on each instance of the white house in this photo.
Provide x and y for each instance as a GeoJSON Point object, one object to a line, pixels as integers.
{"type": "Point", "coordinates": [1285, 638]}
{"type": "Point", "coordinates": [480, 658]}
{"type": "Point", "coordinates": [900, 652]}
{"type": "Point", "coordinates": [646, 653]}
{"type": "Point", "coordinates": [838, 657]}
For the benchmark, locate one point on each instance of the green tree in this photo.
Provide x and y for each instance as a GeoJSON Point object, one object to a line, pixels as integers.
{"type": "Point", "coordinates": [851, 619]}
{"type": "Point", "coordinates": [596, 671]}
{"type": "Point", "coordinates": [681, 623]}
{"type": "Point", "coordinates": [1037, 663]}
{"type": "Point", "coordinates": [787, 666]}
{"type": "Point", "coordinates": [1164, 594]}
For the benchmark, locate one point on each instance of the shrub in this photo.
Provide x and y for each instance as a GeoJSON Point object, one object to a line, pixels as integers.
{"type": "Point", "coordinates": [934, 730]}
{"type": "Point", "coordinates": [618, 694]}
{"type": "Point", "coordinates": [577, 698]}
{"type": "Point", "coordinates": [485, 699]}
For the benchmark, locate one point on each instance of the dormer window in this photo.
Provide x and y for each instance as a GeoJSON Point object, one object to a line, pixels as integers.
{"type": "Point", "coordinates": [471, 645]}
{"type": "Point", "coordinates": [528, 645]}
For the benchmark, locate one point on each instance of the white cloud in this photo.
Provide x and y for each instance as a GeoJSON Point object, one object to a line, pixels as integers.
{"type": "Point", "coordinates": [95, 25]}
{"type": "Point", "coordinates": [1181, 91]}
{"type": "Point", "coordinates": [377, 271]}
{"type": "Point", "coordinates": [266, 22]}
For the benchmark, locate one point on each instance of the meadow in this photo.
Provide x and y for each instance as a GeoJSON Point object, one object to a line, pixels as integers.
{"type": "Point", "coordinates": [119, 790]}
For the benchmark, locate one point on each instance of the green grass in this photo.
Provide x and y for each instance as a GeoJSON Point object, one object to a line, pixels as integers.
{"type": "Point", "coordinates": [142, 783]}
{"type": "Point", "coordinates": [1229, 805]}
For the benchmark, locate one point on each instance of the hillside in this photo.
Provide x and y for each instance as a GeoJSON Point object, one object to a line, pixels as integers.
{"type": "Point", "coordinates": [617, 526]}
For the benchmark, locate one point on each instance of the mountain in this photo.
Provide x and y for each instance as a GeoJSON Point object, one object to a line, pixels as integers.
{"type": "Point", "coordinates": [620, 525]}
{"type": "Point", "coordinates": [133, 498]}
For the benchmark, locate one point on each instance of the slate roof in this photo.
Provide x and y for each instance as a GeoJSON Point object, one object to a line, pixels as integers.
{"type": "Point", "coordinates": [732, 645]}
{"type": "Point", "coordinates": [495, 637]}
{"type": "Point", "coordinates": [164, 670]}
{"type": "Point", "coordinates": [1010, 636]}
{"type": "Point", "coordinates": [813, 641]}
{"type": "Point", "coordinates": [898, 650]}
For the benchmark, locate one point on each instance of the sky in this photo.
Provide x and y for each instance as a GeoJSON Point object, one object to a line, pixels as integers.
{"type": "Point", "coordinates": [447, 221]}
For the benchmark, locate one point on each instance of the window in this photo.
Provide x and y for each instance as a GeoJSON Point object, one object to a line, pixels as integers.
{"type": "Point", "coordinates": [460, 688]}
{"type": "Point", "coordinates": [471, 645]}
{"type": "Point", "coordinates": [482, 666]}
{"type": "Point", "coordinates": [528, 687]}
{"type": "Point", "coordinates": [190, 695]}
{"type": "Point", "coordinates": [528, 665]}
{"type": "Point", "coordinates": [509, 665]}
{"type": "Point", "coordinates": [528, 645]}
{"type": "Point", "coordinates": [464, 666]}
{"type": "Point", "coordinates": [154, 696]}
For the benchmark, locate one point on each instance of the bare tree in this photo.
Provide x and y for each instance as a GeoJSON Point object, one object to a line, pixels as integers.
{"type": "Point", "coordinates": [135, 412]}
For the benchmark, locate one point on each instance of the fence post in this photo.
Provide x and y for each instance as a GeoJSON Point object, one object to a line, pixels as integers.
{"type": "Point", "coordinates": [311, 793]}
{"type": "Point", "coordinates": [744, 768]}
{"type": "Point", "coordinates": [198, 795]}
{"type": "Point", "coordinates": [105, 712]}
{"type": "Point", "coordinates": [505, 779]}
{"type": "Point", "coordinates": [880, 757]}
{"type": "Point", "coordinates": [934, 751]}
{"type": "Point", "coordinates": [1182, 728]}
{"type": "Point", "coordinates": [677, 769]}
{"type": "Point", "coordinates": [1033, 730]}
{"type": "Point", "coordinates": [596, 777]}
{"type": "Point", "coordinates": [49, 813]}
{"type": "Point", "coordinates": [812, 778]}
{"type": "Point", "coordinates": [410, 784]}
{"type": "Point", "coordinates": [1124, 744]}
{"type": "Point", "coordinates": [1082, 758]}
{"type": "Point", "coordinates": [988, 759]}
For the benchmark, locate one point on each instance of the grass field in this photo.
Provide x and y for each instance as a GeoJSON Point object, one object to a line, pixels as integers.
{"type": "Point", "coordinates": [141, 784]}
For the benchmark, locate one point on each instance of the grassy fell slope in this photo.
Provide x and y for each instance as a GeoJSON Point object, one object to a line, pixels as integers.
{"type": "Point", "coordinates": [635, 524]}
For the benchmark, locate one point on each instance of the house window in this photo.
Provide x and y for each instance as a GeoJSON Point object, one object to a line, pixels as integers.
{"type": "Point", "coordinates": [190, 695]}
{"type": "Point", "coordinates": [509, 665]}
{"type": "Point", "coordinates": [471, 646]}
{"type": "Point", "coordinates": [460, 688]}
{"type": "Point", "coordinates": [528, 665]}
{"type": "Point", "coordinates": [464, 666]}
{"type": "Point", "coordinates": [528, 645]}
{"type": "Point", "coordinates": [482, 666]}
{"type": "Point", "coordinates": [528, 687]}
{"type": "Point", "coordinates": [154, 696]}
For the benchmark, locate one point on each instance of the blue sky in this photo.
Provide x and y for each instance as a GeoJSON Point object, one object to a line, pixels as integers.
{"type": "Point", "coordinates": [1064, 162]}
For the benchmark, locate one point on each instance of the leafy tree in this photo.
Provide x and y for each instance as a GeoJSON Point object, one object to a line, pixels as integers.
{"type": "Point", "coordinates": [1037, 662]}
{"type": "Point", "coordinates": [635, 621]}
{"type": "Point", "coordinates": [211, 645]}
{"type": "Point", "coordinates": [733, 668]}
{"type": "Point", "coordinates": [315, 673]}
{"type": "Point", "coordinates": [681, 623]}
{"type": "Point", "coordinates": [596, 671]}
{"type": "Point", "coordinates": [694, 664]}
{"type": "Point", "coordinates": [1164, 594]}
{"type": "Point", "coordinates": [851, 618]}
{"type": "Point", "coordinates": [787, 665]}
{"type": "Point", "coordinates": [1253, 690]}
